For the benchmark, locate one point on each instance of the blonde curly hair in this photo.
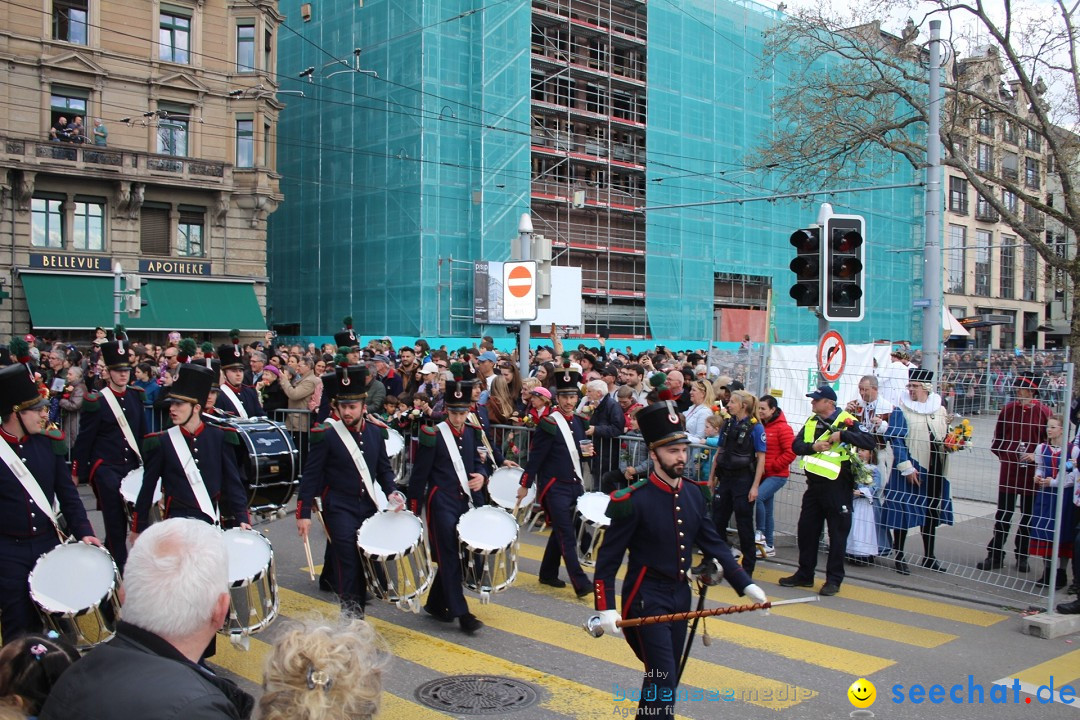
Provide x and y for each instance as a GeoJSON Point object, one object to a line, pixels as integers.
{"type": "Point", "coordinates": [320, 671]}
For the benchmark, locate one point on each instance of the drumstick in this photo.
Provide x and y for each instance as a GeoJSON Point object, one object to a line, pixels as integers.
{"type": "Point", "coordinates": [310, 563]}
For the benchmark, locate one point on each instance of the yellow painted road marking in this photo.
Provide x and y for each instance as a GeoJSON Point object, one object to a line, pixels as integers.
{"type": "Point", "coordinates": [249, 665]}
{"type": "Point", "coordinates": [450, 658]}
{"type": "Point", "coordinates": [1064, 669]}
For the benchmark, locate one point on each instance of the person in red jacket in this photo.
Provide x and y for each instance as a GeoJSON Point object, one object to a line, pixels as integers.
{"type": "Point", "coordinates": [778, 458]}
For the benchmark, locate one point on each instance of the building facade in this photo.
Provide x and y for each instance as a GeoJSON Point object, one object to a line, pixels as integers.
{"type": "Point", "coordinates": [594, 116]}
{"type": "Point", "coordinates": [169, 171]}
{"type": "Point", "coordinates": [989, 270]}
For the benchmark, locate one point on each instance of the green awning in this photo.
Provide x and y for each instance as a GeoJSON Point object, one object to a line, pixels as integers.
{"type": "Point", "coordinates": [83, 302]}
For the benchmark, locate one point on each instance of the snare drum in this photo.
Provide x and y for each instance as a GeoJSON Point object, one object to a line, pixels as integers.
{"type": "Point", "coordinates": [503, 488]}
{"type": "Point", "coordinates": [75, 589]}
{"type": "Point", "coordinates": [591, 518]}
{"type": "Point", "coordinates": [395, 450]}
{"type": "Point", "coordinates": [253, 596]}
{"type": "Point", "coordinates": [131, 486]}
{"type": "Point", "coordinates": [488, 544]}
{"type": "Point", "coordinates": [395, 557]}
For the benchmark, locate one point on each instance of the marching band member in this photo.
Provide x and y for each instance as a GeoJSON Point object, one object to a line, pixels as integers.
{"type": "Point", "coordinates": [348, 467]}
{"type": "Point", "coordinates": [107, 447]}
{"type": "Point", "coordinates": [449, 476]}
{"type": "Point", "coordinates": [195, 462]}
{"type": "Point", "coordinates": [660, 519]}
{"type": "Point", "coordinates": [27, 523]}
{"type": "Point", "coordinates": [235, 398]}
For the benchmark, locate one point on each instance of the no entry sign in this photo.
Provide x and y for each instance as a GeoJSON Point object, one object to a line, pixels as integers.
{"type": "Point", "coordinates": [519, 290]}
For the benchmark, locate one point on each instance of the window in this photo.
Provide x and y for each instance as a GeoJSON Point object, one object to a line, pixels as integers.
{"type": "Point", "coordinates": [245, 46]}
{"type": "Point", "coordinates": [1007, 338]}
{"type": "Point", "coordinates": [1032, 140]}
{"type": "Point", "coordinates": [1031, 268]}
{"type": "Point", "coordinates": [1008, 199]}
{"type": "Point", "coordinates": [68, 103]}
{"type": "Point", "coordinates": [154, 229]}
{"type": "Point", "coordinates": [1031, 173]}
{"type": "Point", "coordinates": [983, 210]}
{"type": "Point", "coordinates": [1010, 166]}
{"type": "Point", "coordinates": [172, 134]}
{"type": "Point", "coordinates": [245, 142]}
{"type": "Point", "coordinates": [984, 158]}
{"type": "Point", "coordinates": [189, 232]}
{"type": "Point", "coordinates": [268, 50]}
{"type": "Point", "coordinates": [959, 147]}
{"type": "Point", "coordinates": [268, 146]}
{"type": "Point", "coordinates": [982, 262]}
{"type": "Point", "coordinates": [1007, 280]}
{"type": "Point", "coordinates": [47, 222]}
{"type": "Point", "coordinates": [956, 254]}
{"type": "Point", "coordinates": [985, 123]}
{"type": "Point", "coordinates": [88, 232]}
{"type": "Point", "coordinates": [174, 36]}
{"type": "Point", "coordinates": [958, 195]}
{"type": "Point", "coordinates": [1009, 131]}
{"type": "Point", "coordinates": [70, 20]}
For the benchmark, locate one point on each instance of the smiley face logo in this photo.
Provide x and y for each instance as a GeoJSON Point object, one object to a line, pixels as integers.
{"type": "Point", "coordinates": [862, 693]}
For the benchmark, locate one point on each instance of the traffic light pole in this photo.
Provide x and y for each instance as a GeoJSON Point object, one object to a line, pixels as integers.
{"type": "Point", "coordinates": [824, 213]}
{"type": "Point", "coordinates": [525, 232]}
{"type": "Point", "coordinates": [932, 272]}
{"type": "Point", "coordinates": [118, 293]}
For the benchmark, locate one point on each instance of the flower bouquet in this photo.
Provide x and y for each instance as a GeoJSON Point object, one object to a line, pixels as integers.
{"type": "Point", "coordinates": [958, 436]}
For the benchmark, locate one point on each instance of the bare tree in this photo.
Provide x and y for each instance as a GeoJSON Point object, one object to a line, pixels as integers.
{"type": "Point", "coordinates": [858, 105]}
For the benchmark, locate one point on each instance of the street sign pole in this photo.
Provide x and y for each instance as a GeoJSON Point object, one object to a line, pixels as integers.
{"type": "Point", "coordinates": [118, 293]}
{"type": "Point", "coordinates": [525, 231]}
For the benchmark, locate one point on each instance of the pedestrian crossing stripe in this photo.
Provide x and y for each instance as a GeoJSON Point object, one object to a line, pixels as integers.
{"type": "Point", "coordinates": [449, 658]}
{"type": "Point", "coordinates": [1064, 670]}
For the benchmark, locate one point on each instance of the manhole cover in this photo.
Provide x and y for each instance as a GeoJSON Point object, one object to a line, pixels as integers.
{"type": "Point", "coordinates": [477, 694]}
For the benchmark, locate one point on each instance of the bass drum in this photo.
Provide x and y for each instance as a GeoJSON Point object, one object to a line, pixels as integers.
{"type": "Point", "coordinates": [269, 461]}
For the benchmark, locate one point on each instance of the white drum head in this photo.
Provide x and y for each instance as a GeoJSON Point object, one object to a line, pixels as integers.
{"type": "Point", "coordinates": [592, 506]}
{"type": "Point", "coordinates": [503, 487]}
{"type": "Point", "coordinates": [249, 554]}
{"type": "Point", "coordinates": [389, 533]}
{"type": "Point", "coordinates": [394, 443]}
{"type": "Point", "coordinates": [487, 528]}
{"type": "Point", "coordinates": [72, 578]}
{"type": "Point", "coordinates": [131, 486]}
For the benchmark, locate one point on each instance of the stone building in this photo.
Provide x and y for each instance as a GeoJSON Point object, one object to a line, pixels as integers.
{"type": "Point", "coordinates": [177, 189]}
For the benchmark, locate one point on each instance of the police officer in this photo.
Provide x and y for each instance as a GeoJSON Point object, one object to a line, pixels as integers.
{"type": "Point", "coordinates": [211, 448]}
{"type": "Point", "coordinates": [435, 483]}
{"type": "Point", "coordinates": [104, 451]}
{"type": "Point", "coordinates": [826, 444]}
{"type": "Point", "coordinates": [660, 519]}
{"type": "Point", "coordinates": [331, 472]}
{"type": "Point", "coordinates": [26, 530]}
{"type": "Point", "coordinates": [556, 463]}
{"type": "Point", "coordinates": [234, 397]}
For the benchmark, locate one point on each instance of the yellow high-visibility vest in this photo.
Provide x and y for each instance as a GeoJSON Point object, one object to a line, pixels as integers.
{"type": "Point", "coordinates": [826, 464]}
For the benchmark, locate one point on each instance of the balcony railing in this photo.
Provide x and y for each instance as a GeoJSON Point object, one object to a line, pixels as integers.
{"type": "Point", "coordinates": [31, 154]}
{"type": "Point", "coordinates": [985, 213]}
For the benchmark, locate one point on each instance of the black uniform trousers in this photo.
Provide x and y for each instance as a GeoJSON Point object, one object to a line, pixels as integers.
{"type": "Point", "coordinates": [658, 646]}
{"type": "Point", "coordinates": [558, 500]}
{"type": "Point", "coordinates": [824, 502]}
{"type": "Point", "coordinates": [732, 496]}
{"type": "Point", "coordinates": [18, 614]}
{"type": "Point", "coordinates": [1003, 519]}
{"type": "Point", "coordinates": [447, 593]}
{"type": "Point", "coordinates": [106, 485]}
{"type": "Point", "coordinates": [346, 573]}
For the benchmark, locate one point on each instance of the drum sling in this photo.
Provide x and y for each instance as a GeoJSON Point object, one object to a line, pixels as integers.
{"type": "Point", "coordinates": [374, 491]}
{"type": "Point", "coordinates": [191, 470]}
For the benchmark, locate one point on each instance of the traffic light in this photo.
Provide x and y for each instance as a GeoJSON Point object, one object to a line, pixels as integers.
{"type": "Point", "coordinates": [845, 268]}
{"type": "Point", "coordinates": [541, 253]}
{"type": "Point", "coordinates": [133, 299]}
{"type": "Point", "coordinates": [806, 266]}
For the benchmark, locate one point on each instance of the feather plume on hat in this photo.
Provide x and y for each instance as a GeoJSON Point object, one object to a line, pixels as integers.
{"type": "Point", "coordinates": [186, 349]}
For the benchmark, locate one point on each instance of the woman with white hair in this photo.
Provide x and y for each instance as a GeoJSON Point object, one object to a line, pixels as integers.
{"type": "Point", "coordinates": [918, 492]}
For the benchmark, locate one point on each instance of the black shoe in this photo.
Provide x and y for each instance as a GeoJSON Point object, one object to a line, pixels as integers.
{"type": "Point", "coordinates": [469, 623]}
{"type": "Point", "coordinates": [438, 614]}
{"type": "Point", "coordinates": [829, 589]}
{"type": "Point", "coordinates": [1045, 579]}
{"type": "Point", "coordinates": [1074, 588]}
{"type": "Point", "coordinates": [1022, 565]}
{"type": "Point", "coordinates": [1061, 580]}
{"type": "Point", "coordinates": [990, 563]}
{"type": "Point", "coordinates": [932, 564]}
{"type": "Point", "coordinates": [553, 582]}
{"type": "Point", "coordinates": [583, 592]}
{"type": "Point", "coordinates": [795, 581]}
{"type": "Point", "coordinates": [1071, 608]}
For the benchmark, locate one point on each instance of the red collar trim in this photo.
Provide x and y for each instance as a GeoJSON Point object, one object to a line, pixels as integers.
{"type": "Point", "coordinates": [197, 432]}
{"type": "Point", "coordinates": [11, 438]}
{"type": "Point", "coordinates": [457, 433]}
{"type": "Point", "coordinates": [663, 484]}
{"type": "Point", "coordinates": [235, 388]}
{"type": "Point", "coordinates": [117, 394]}
{"type": "Point", "coordinates": [568, 417]}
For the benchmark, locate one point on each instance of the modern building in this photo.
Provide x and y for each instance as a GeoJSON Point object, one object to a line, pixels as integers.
{"type": "Point", "coordinates": [989, 270]}
{"type": "Point", "coordinates": [178, 190]}
{"type": "Point", "coordinates": [428, 129]}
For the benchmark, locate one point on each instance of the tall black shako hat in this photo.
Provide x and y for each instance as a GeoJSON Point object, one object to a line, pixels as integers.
{"type": "Point", "coordinates": [115, 355]}
{"type": "Point", "coordinates": [351, 385]}
{"type": "Point", "coordinates": [661, 424]}
{"type": "Point", "coordinates": [567, 380]}
{"type": "Point", "coordinates": [1029, 381]}
{"type": "Point", "coordinates": [215, 367]}
{"type": "Point", "coordinates": [346, 338]}
{"type": "Point", "coordinates": [18, 391]}
{"type": "Point", "coordinates": [458, 395]}
{"type": "Point", "coordinates": [230, 356]}
{"type": "Point", "coordinates": [464, 373]}
{"type": "Point", "coordinates": [193, 383]}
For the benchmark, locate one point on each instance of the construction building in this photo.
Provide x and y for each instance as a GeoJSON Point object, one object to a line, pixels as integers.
{"type": "Point", "coordinates": [428, 128]}
{"type": "Point", "coordinates": [169, 172]}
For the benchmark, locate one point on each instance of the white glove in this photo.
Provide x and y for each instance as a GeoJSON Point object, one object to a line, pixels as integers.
{"type": "Point", "coordinates": [397, 501]}
{"type": "Point", "coordinates": [755, 593]}
{"type": "Point", "coordinates": [608, 618]}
